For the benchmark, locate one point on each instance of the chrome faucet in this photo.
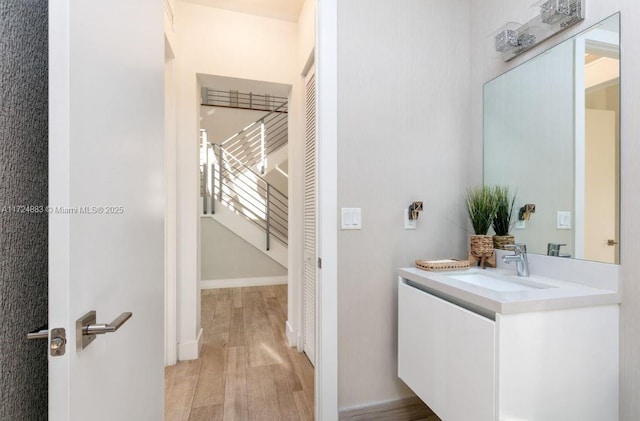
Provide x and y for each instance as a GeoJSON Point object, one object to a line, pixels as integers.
{"type": "Point", "coordinates": [520, 257]}
{"type": "Point", "coordinates": [553, 249]}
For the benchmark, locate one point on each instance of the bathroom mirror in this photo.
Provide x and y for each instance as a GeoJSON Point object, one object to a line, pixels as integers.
{"type": "Point", "coordinates": [552, 134]}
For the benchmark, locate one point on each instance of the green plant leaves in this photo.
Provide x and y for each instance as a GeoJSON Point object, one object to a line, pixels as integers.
{"type": "Point", "coordinates": [481, 206]}
{"type": "Point", "coordinates": [490, 205]}
{"type": "Point", "coordinates": [505, 201]}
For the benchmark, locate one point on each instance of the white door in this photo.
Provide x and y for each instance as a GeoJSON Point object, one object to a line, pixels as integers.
{"type": "Point", "coordinates": [106, 198]}
{"type": "Point", "coordinates": [310, 220]}
{"type": "Point", "coordinates": [597, 67]}
{"type": "Point", "coordinates": [600, 199]}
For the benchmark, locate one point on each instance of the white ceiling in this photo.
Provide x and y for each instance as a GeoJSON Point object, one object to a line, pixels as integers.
{"type": "Point", "coordinates": [278, 9]}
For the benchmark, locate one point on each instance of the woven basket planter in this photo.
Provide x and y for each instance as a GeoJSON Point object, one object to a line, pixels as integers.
{"type": "Point", "coordinates": [481, 245]}
{"type": "Point", "coordinates": [500, 241]}
{"type": "Point", "coordinates": [481, 251]}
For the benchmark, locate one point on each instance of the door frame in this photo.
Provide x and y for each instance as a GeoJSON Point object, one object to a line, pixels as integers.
{"type": "Point", "coordinates": [170, 139]}
{"type": "Point", "coordinates": [326, 379]}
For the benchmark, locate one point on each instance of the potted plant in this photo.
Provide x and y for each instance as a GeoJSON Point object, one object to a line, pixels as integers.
{"type": "Point", "coordinates": [504, 201]}
{"type": "Point", "coordinates": [481, 206]}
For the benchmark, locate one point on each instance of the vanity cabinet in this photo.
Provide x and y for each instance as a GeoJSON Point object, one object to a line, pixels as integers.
{"type": "Point", "coordinates": [541, 365]}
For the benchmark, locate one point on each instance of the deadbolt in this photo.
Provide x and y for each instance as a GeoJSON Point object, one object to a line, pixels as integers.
{"type": "Point", "coordinates": [58, 343]}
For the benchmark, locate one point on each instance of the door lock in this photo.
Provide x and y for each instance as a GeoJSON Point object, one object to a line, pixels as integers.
{"type": "Point", "coordinates": [58, 342]}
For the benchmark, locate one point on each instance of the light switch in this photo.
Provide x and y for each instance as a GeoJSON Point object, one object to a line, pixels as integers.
{"type": "Point", "coordinates": [351, 219]}
{"type": "Point", "coordinates": [520, 225]}
{"type": "Point", "coordinates": [563, 220]}
{"type": "Point", "coordinates": [347, 218]}
{"type": "Point", "coordinates": [355, 218]}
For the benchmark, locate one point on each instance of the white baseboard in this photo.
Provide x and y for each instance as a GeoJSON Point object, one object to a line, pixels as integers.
{"type": "Point", "coordinates": [300, 343]}
{"type": "Point", "coordinates": [190, 350]}
{"type": "Point", "coordinates": [291, 335]}
{"type": "Point", "coordinates": [243, 282]}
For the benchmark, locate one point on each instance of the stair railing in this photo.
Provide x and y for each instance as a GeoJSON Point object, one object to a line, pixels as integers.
{"type": "Point", "coordinates": [228, 181]}
{"type": "Point", "coordinates": [253, 144]}
{"type": "Point", "coordinates": [246, 101]}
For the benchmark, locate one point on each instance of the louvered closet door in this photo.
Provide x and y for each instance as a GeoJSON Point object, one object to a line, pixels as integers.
{"type": "Point", "coordinates": [309, 311]}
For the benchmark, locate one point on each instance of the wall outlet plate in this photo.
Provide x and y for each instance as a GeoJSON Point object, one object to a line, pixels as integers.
{"type": "Point", "coordinates": [409, 224]}
{"type": "Point", "coordinates": [520, 225]}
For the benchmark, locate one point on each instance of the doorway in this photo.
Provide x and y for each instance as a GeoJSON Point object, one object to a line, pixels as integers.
{"type": "Point", "coordinates": [207, 62]}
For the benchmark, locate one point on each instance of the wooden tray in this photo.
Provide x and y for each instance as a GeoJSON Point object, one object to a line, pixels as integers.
{"type": "Point", "coordinates": [442, 264]}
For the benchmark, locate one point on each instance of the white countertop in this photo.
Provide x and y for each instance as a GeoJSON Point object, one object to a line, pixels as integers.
{"type": "Point", "coordinates": [556, 295]}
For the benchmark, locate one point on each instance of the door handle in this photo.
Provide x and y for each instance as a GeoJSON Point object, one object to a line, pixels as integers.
{"type": "Point", "coordinates": [87, 328]}
{"type": "Point", "coordinates": [611, 242]}
{"type": "Point", "coordinates": [40, 333]}
{"type": "Point", "coordinates": [101, 329]}
{"type": "Point", "coordinates": [57, 345]}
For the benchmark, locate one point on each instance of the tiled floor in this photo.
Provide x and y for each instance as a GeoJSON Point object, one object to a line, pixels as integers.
{"type": "Point", "coordinates": [246, 371]}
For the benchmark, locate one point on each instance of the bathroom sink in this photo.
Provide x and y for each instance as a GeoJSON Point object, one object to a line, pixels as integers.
{"type": "Point", "coordinates": [499, 283]}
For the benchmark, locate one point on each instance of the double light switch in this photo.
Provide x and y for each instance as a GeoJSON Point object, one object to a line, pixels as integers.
{"type": "Point", "coordinates": [351, 219]}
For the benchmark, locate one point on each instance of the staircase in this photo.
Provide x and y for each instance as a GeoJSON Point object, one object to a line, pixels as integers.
{"type": "Point", "coordinates": [234, 191]}
{"type": "Point", "coordinates": [231, 183]}
{"type": "Point", "coordinates": [253, 145]}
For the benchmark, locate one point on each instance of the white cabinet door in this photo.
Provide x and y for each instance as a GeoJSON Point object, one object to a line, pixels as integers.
{"type": "Point", "coordinates": [559, 365]}
{"type": "Point", "coordinates": [106, 241]}
{"type": "Point", "coordinates": [446, 355]}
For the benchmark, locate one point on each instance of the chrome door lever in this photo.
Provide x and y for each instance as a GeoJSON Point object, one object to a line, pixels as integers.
{"type": "Point", "coordinates": [57, 345]}
{"type": "Point", "coordinates": [101, 329]}
{"type": "Point", "coordinates": [87, 328]}
{"type": "Point", "coordinates": [41, 333]}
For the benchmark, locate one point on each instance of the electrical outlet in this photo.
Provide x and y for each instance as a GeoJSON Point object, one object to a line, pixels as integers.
{"type": "Point", "coordinates": [409, 224]}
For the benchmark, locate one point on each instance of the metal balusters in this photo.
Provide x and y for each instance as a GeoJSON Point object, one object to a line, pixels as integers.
{"type": "Point", "coordinates": [236, 99]}
{"type": "Point", "coordinates": [268, 221]}
{"type": "Point", "coordinates": [204, 189]}
{"type": "Point", "coordinates": [243, 190]}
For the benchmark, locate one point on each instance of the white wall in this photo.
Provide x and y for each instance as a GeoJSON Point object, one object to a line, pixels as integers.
{"type": "Point", "coordinates": [214, 42]}
{"type": "Point", "coordinates": [277, 180]}
{"type": "Point", "coordinates": [403, 102]}
{"type": "Point", "coordinates": [225, 255]}
{"type": "Point", "coordinates": [487, 17]}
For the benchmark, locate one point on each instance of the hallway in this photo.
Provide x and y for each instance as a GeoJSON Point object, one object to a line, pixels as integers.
{"type": "Point", "coordinates": [246, 370]}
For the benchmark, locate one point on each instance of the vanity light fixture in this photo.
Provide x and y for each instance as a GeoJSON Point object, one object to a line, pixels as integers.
{"type": "Point", "coordinates": [554, 16]}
